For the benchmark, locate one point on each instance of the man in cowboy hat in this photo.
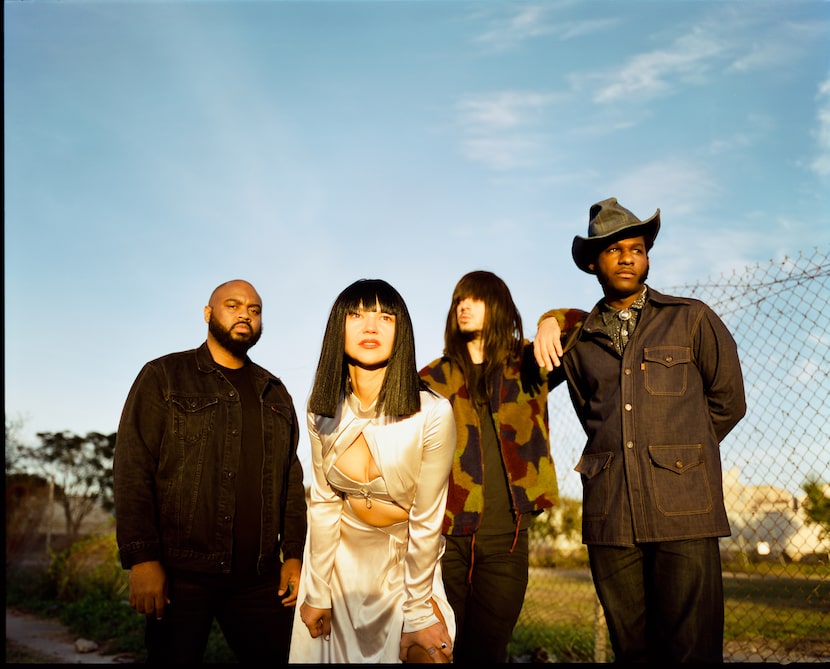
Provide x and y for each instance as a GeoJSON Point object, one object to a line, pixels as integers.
{"type": "Point", "coordinates": [656, 382]}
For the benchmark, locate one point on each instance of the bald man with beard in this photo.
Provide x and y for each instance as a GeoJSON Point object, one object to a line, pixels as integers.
{"type": "Point", "coordinates": [209, 497]}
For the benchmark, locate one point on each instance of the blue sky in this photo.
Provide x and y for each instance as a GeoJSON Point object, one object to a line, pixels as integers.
{"type": "Point", "coordinates": [156, 149]}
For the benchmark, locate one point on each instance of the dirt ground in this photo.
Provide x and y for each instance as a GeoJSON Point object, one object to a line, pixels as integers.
{"type": "Point", "coordinates": [776, 652]}
{"type": "Point", "coordinates": [33, 640]}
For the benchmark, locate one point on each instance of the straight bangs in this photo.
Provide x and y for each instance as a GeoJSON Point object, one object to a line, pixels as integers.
{"type": "Point", "coordinates": [481, 285]}
{"type": "Point", "coordinates": [367, 293]}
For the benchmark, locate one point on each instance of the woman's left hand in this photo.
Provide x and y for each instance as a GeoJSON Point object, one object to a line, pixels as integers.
{"type": "Point", "coordinates": [318, 621]}
{"type": "Point", "coordinates": [431, 644]}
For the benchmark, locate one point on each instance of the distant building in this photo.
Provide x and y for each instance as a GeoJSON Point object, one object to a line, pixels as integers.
{"type": "Point", "coordinates": [769, 523]}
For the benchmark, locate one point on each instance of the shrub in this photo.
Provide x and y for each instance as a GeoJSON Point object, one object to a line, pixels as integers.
{"type": "Point", "coordinates": [29, 588]}
{"type": "Point", "coordinates": [97, 616]}
{"type": "Point", "coordinates": [90, 567]}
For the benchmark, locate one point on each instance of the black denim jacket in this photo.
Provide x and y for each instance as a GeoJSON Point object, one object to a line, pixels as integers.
{"type": "Point", "coordinates": [654, 419]}
{"type": "Point", "coordinates": [176, 456]}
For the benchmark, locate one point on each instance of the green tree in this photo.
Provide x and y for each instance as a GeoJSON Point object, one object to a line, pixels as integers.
{"type": "Point", "coordinates": [817, 505]}
{"type": "Point", "coordinates": [81, 468]}
{"type": "Point", "coordinates": [563, 521]}
{"type": "Point", "coordinates": [13, 427]}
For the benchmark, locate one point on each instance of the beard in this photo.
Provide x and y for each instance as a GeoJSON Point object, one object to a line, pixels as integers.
{"type": "Point", "coordinates": [469, 335]}
{"type": "Point", "coordinates": [614, 290]}
{"type": "Point", "coordinates": [237, 344]}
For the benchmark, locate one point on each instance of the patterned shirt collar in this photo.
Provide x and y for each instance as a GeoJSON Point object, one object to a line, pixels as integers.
{"type": "Point", "coordinates": [619, 324]}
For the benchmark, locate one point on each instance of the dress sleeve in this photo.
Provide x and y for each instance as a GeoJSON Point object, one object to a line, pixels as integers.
{"type": "Point", "coordinates": [427, 514]}
{"type": "Point", "coordinates": [325, 508]}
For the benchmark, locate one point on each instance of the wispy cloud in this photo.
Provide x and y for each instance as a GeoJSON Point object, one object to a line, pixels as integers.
{"type": "Point", "coordinates": [501, 153]}
{"type": "Point", "coordinates": [776, 45]}
{"type": "Point", "coordinates": [689, 58]}
{"type": "Point", "coordinates": [502, 110]}
{"type": "Point", "coordinates": [729, 42]}
{"type": "Point", "coordinates": [499, 130]}
{"type": "Point", "coordinates": [761, 56]}
{"type": "Point", "coordinates": [757, 126]}
{"type": "Point", "coordinates": [524, 23]}
{"type": "Point", "coordinates": [682, 187]}
{"type": "Point", "coordinates": [821, 164]}
{"type": "Point", "coordinates": [534, 21]}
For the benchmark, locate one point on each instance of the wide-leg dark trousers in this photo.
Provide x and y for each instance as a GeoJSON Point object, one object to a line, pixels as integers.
{"type": "Point", "coordinates": [256, 625]}
{"type": "Point", "coordinates": [662, 601]}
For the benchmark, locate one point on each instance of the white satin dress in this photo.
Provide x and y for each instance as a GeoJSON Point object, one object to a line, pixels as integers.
{"type": "Point", "coordinates": [378, 581]}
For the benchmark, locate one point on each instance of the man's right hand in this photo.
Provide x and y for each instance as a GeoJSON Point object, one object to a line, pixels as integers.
{"type": "Point", "coordinates": [148, 588]}
{"type": "Point", "coordinates": [547, 345]}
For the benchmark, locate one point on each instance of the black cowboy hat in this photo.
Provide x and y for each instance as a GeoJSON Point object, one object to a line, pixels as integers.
{"type": "Point", "coordinates": [609, 220]}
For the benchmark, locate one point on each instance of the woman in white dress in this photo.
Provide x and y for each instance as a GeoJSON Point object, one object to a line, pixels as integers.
{"type": "Point", "coordinates": [382, 446]}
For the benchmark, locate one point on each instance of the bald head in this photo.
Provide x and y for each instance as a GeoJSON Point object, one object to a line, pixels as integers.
{"type": "Point", "coordinates": [237, 286]}
{"type": "Point", "coordinates": [234, 318]}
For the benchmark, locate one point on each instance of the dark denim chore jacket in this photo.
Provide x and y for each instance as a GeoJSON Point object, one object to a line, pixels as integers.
{"type": "Point", "coordinates": [651, 468]}
{"type": "Point", "coordinates": [177, 453]}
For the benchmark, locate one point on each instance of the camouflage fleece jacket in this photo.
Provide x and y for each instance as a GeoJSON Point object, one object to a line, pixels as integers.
{"type": "Point", "coordinates": [519, 405]}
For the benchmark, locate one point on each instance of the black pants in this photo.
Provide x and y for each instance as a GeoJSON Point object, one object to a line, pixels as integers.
{"type": "Point", "coordinates": [256, 625]}
{"type": "Point", "coordinates": [663, 601]}
{"type": "Point", "coordinates": [485, 583]}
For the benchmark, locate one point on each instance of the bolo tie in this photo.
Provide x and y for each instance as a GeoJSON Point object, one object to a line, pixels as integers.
{"type": "Point", "coordinates": [626, 321]}
{"type": "Point", "coordinates": [625, 316]}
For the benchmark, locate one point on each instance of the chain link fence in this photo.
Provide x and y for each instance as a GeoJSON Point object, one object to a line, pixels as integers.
{"type": "Point", "coordinates": [776, 574]}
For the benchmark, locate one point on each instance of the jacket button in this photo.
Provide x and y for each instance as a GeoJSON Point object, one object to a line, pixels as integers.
{"type": "Point", "coordinates": [628, 407]}
{"type": "Point", "coordinates": [627, 372]}
{"type": "Point", "coordinates": [679, 464]}
{"type": "Point", "coordinates": [231, 475]}
{"type": "Point", "coordinates": [629, 444]}
{"type": "Point", "coordinates": [227, 519]}
{"type": "Point", "coordinates": [669, 358]}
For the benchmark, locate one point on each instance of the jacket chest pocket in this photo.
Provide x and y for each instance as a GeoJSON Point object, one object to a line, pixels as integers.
{"type": "Point", "coordinates": [666, 370]}
{"type": "Point", "coordinates": [193, 417]}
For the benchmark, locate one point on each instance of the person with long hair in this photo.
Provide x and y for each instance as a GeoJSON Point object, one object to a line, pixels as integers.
{"type": "Point", "coordinates": [382, 446]}
{"type": "Point", "coordinates": [503, 475]}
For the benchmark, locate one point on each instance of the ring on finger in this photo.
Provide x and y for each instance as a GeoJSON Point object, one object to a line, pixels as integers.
{"type": "Point", "coordinates": [432, 650]}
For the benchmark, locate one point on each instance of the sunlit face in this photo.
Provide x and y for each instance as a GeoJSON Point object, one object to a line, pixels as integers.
{"type": "Point", "coordinates": [370, 336]}
{"type": "Point", "coordinates": [470, 315]}
{"type": "Point", "coordinates": [622, 268]}
{"type": "Point", "coordinates": [234, 317]}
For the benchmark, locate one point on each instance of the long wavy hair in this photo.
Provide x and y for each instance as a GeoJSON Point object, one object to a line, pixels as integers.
{"type": "Point", "coordinates": [399, 394]}
{"type": "Point", "coordinates": [502, 332]}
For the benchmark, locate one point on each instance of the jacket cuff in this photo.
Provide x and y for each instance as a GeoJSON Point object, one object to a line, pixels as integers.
{"type": "Point", "coordinates": [129, 558]}
{"type": "Point", "coordinates": [292, 551]}
{"type": "Point", "coordinates": [568, 319]}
